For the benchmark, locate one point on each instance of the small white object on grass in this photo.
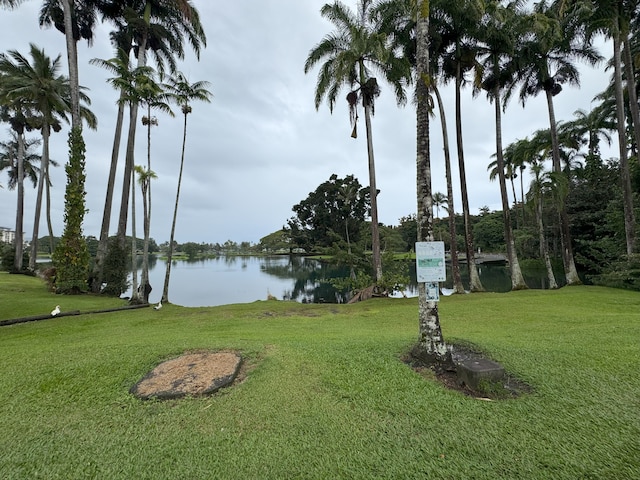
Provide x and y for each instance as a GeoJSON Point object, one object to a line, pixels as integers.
{"type": "Point", "coordinates": [158, 306]}
{"type": "Point", "coordinates": [55, 311]}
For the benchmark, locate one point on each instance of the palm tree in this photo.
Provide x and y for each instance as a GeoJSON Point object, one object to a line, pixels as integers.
{"type": "Point", "coordinates": [439, 200]}
{"type": "Point", "coordinates": [547, 55]}
{"type": "Point", "coordinates": [9, 160]}
{"type": "Point", "coordinates": [16, 113]}
{"type": "Point", "coordinates": [498, 33]}
{"type": "Point", "coordinates": [397, 19]}
{"type": "Point", "coordinates": [121, 67]}
{"type": "Point", "coordinates": [71, 256]}
{"type": "Point", "coordinates": [144, 180]}
{"type": "Point", "coordinates": [183, 93]}
{"type": "Point", "coordinates": [350, 54]}
{"type": "Point", "coordinates": [163, 31]}
{"type": "Point", "coordinates": [40, 84]}
{"type": "Point", "coordinates": [457, 56]}
{"type": "Point", "coordinates": [431, 343]}
{"type": "Point", "coordinates": [542, 183]}
{"type": "Point", "coordinates": [146, 91]}
{"type": "Point", "coordinates": [595, 125]}
{"type": "Point", "coordinates": [153, 96]}
{"type": "Point", "coordinates": [159, 27]}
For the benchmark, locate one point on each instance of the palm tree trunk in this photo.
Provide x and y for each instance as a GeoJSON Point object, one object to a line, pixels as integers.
{"type": "Point", "coordinates": [129, 160]}
{"type": "Point", "coordinates": [47, 186]}
{"type": "Point", "coordinates": [517, 279]}
{"type": "Point", "coordinates": [458, 287]}
{"type": "Point", "coordinates": [431, 343]}
{"type": "Point", "coordinates": [627, 192]}
{"type": "Point", "coordinates": [44, 165]}
{"type": "Point", "coordinates": [475, 285]}
{"type": "Point", "coordinates": [167, 273]}
{"type": "Point", "coordinates": [375, 235]}
{"type": "Point", "coordinates": [108, 202]}
{"type": "Point", "coordinates": [570, 271]}
{"type": "Point", "coordinates": [134, 245]}
{"type": "Point", "coordinates": [127, 175]}
{"type": "Point", "coordinates": [72, 60]}
{"type": "Point", "coordinates": [631, 92]}
{"type": "Point", "coordinates": [144, 281]}
{"type": "Point", "coordinates": [146, 199]}
{"type": "Point", "coordinates": [543, 246]}
{"type": "Point", "coordinates": [19, 240]}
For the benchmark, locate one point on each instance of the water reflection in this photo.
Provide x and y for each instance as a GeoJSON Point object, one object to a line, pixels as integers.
{"type": "Point", "coordinates": [233, 279]}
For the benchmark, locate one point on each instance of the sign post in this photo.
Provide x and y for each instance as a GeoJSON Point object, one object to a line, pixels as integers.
{"type": "Point", "coordinates": [430, 267]}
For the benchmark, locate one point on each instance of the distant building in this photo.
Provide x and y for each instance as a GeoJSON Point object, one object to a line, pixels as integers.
{"type": "Point", "coordinates": [7, 235]}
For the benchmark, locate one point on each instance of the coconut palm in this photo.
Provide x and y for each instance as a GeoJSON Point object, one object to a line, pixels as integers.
{"type": "Point", "coordinates": [16, 113]}
{"type": "Point", "coordinates": [40, 84]}
{"type": "Point", "coordinates": [163, 29]}
{"type": "Point", "coordinates": [121, 67]}
{"type": "Point", "coordinates": [144, 90]}
{"type": "Point", "coordinates": [351, 54]}
{"type": "Point", "coordinates": [159, 27]}
{"type": "Point", "coordinates": [439, 200]}
{"type": "Point", "coordinates": [183, 93]}
{"type": "Point", "coordinates": [9, 160]}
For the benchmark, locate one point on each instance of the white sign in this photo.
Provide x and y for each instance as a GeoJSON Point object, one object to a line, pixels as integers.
{"type": "Point", "coordinates": [433, 292]}
{"type": "Point", "coordinates": [430, 266]}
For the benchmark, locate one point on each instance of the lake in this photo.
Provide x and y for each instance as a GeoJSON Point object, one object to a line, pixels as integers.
{"type": "Point", "coordinates": [235, 279]}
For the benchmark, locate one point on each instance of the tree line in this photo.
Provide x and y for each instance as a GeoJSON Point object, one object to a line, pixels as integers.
{"type": "Point", "coordinates": [36, 96]}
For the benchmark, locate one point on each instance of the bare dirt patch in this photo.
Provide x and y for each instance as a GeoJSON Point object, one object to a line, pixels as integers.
{"type": "Point", "coordinates": [194, 373]}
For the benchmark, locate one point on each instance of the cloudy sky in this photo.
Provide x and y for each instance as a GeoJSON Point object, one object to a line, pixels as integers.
{"type": "Point", "coordinates": [260, 147]}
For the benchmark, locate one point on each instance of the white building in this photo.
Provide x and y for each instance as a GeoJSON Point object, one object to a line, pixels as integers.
{"type": "Point", "coordinates": [7, 235]}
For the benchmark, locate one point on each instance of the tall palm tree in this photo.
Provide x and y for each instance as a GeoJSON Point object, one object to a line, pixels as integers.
{"type": "Point", "coordinates": [17, 114]}
{"type": "Point", "coordinates": [145, 175]}
{"type": "Point", "coordinates": [498, 34]}
{"type": "Point", "coordinates": [457, 56]}
{"type": "Point", "coordinates": [397, 19]}
{"type": "Point", "coordinates": [351, 54]}
{"type": "Point", "coordinates": [431, 343]}
{"type": "Point", "coordinates": [541, 184]}
{"type": "Point", "coordinates": [144, 90]}
{"type": "Point", "coordinates": [40, 84]}
{"type": "Point", "coordinates": [157, 26]}
{"type": "Point", "coordinates": [153, 96]}
{"type": "Point", "coordinates": [547, 55]}
{"type": "Point", "coordinates": [121, 67]}
{"type": "Point", "coordinates": [183, 93]}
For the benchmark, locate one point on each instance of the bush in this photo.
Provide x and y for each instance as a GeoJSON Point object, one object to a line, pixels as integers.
{"type": "Point", "coordinates": [115, 269]}
{"type": "Point", "coordinates": [7, 256]}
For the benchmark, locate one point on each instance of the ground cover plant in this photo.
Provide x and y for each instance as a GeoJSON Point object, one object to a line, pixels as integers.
{"type": "Point", "coordinates": [326, 394]}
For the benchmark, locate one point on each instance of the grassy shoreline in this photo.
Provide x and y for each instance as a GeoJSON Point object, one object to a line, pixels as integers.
{"type": "Point", "coordinates": [327, 396]}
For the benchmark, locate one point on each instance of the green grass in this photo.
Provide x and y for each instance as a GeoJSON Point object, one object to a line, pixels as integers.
{"type": "Point", "coordinates": [328, 396]}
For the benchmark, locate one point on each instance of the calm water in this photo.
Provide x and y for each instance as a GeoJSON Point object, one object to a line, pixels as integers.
{"type": "Point", "coordinates": [226, 280]}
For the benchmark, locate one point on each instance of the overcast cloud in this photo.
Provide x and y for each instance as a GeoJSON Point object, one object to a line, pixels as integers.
{"type": "Point", "coordinates": [260, 147]}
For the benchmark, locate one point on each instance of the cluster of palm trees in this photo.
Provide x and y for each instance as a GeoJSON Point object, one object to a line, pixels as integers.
{"type": "Point", "coordinates": [500, 48]}
{"type": "Point", "coordinates": [35, 95]}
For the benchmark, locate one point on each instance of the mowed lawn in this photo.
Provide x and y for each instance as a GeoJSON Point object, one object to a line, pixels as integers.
{"type": "Point", "coordinates": [326, 395]}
